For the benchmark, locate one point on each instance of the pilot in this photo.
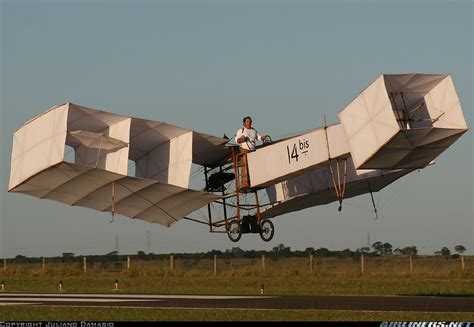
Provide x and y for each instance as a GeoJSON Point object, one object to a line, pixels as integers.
{"type": "Point", "coordinates": [247, 136]}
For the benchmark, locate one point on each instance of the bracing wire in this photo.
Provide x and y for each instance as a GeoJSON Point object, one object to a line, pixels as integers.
{"type": "Point", "coordinates": [149, 201]}
{"type": "Point", "coordinates": [373, 202]}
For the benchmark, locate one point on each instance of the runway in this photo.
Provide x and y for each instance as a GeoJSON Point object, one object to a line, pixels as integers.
{"type": "Point", "coordinates": [321, 302]}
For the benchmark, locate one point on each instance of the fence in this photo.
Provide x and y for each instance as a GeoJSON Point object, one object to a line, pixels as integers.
{"type": "Point", "coordinates": [429, 266]}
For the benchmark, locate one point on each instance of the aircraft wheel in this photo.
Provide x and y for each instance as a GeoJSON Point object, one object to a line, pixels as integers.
{"type": "Point", "coordinates": [266, 230]}
{"type": "Point", "coordinates": [234, 231]}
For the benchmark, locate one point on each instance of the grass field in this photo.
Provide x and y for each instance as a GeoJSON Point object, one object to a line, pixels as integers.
{"type": "Point", "coordinates": [292, 276]}
{"type": "Point", "coordinates": [248, 285]}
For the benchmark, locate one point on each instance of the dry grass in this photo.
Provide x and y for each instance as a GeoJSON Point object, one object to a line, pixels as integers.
{"type": "Point", "coordinates": [382, 276]}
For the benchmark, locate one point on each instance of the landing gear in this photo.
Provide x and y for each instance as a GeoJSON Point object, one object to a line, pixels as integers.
{"type": "Point", "coordinates": [248, 217]}
{"type": "Point", "coordinates": [266, 230]}
{"type": "Point", "coordinates": [234, 231]}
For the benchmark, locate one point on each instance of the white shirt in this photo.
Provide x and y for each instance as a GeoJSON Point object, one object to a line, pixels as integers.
{"type": "Point", "coordinates": [252, 135]}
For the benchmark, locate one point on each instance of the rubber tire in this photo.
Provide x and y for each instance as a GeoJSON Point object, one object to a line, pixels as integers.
{"type": "Point", "coordinates": [265, 227]}
{"type": "Point", "coordinates": [234, 228]}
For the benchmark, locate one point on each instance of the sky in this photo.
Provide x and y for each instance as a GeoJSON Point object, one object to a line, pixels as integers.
{"type": "Point", "coordinates": [204, 65]}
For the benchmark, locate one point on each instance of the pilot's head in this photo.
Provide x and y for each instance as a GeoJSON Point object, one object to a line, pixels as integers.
{"type": "Point", "coordinates": [247, 122]}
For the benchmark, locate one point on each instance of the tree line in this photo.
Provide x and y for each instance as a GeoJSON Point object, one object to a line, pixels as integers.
{"type": "Point", "coordinates": [281, 251]}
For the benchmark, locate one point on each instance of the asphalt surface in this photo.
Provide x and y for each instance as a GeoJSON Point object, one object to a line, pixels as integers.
{"type": "Point", "coordinates": [323, 302]}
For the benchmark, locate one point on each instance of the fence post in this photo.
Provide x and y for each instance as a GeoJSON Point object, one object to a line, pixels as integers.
{"type": "Point", "coordinates": [172, 262]}
{"type": "Point", "coordinates": [411, 264]}
{"type": "Point", "coordinates": [84, 264]}
{"type": "Point", "coordinates": [263, 262]}
{"type": "Point", "coordinates": [128, 263]}
{"type": "Point", "coordinates": [311, 263]}
{"type": "Point", "coordinates": [43, 266]}
{"type": "Point", "coordinates": [215, 265]}
{"type": "Point", "coordinates": [462, 263]}
{"type": "Point", "coordinates": [362, 264]}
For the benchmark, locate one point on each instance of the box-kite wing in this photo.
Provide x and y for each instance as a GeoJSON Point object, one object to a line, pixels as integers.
{"type": "Point", "coordinates": [104, 145]}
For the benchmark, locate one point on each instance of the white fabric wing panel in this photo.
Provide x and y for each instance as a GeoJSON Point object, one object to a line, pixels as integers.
{"type": "Point", "coordinates": [147, 135]}
{"type": "Point", "coordinates": [368, 121]}
{"type": "Point", "coordinates": [209, 149]}
{"type": "Point", "coordinates": [295, 156]}
{"type": "Point", "coordinates": [39, 144]}
{"type": "Point", "coordinates": [90, 187]}
{"type": "Point", "coordinates": [115, 159]}
{"type": "Point", "coordinates": [110, 125]}
{"type": "Point", "coordinates": [388, 124]}
{"type": "Point", "coordinates": [443, 103]}
{"type": "Point", "coordinates": [96, 140]}
{"type": "Point", "coordinates": [171, 162]}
